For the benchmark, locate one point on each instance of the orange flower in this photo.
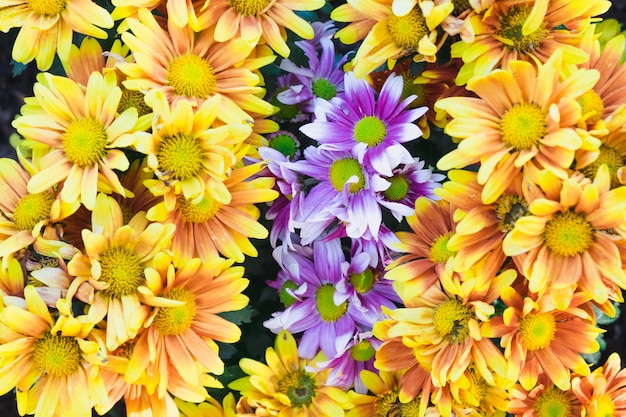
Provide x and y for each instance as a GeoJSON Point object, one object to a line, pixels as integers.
{"type": "Point", "coordinates": [602, 392]}
{"type": "Point", "coordinates": [544, 399]}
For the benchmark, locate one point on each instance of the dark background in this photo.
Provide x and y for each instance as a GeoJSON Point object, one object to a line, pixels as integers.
{"type": "Point", "coordinates": [13, 89]}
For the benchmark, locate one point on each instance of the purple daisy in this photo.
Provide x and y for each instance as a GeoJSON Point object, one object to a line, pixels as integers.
{"type": "Point", "coordinates": [372, 127]}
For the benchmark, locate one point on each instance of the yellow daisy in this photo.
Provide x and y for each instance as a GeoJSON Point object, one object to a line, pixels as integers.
{"type": "Point", "coordinates": [115, 262]}
{"type": "Point", "coordinates": [602, 392]}
{"type": "Point", "coordinates": [47, 27]}
{"type": "Point", "coordinates": [190, 66]}
{"type": "Point", "coordinates": [52, 364]}
{"type": "Point", "coordinates": [521, 116]}
{"type": "Point", "coordinates": [288, 386]}
{"type": "Point", "coordinates": [207, 228]}
{"type": "Point", "coordinates": [257, 21]}
{"type": "Point", "coordinates": [210, 408]}
{"type": "Point", "coordinates": [182, 13]}
{"type": "Point", "coordinates": [84, 130]}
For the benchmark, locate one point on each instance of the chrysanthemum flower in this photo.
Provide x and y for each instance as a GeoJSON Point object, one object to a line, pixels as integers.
{"type": "Point", "coordinates": [511, 30]}
{"type": "Point", "coordinates": [602, 392]}
{"type": "Point", "coordinates": [287, 386]}
{"type": "Point", "coordinates": [47, 27]}
{"type": "Point", "coordinates": [537, 337]}
{"type": "Point", "coordinates": [115, 262]}
{"type": "Point", "coordinates": [544, 399]}
{"type": "Point", "coordinates": [183, 337]}
{"type": "Point", "coordinates": [521, 116]}
{"type": "Point", "coordinates": [193, 67]}
{"type": "Point", "coordinates": [572, 229]}
{"type": "Point", "coordinates": [52, 363]}
{"type": "Point", "coordinates": [392, 36]}
{"type": "Point", "coordinates": [372, 127]}
{"type": "Point", "coordinates": [210, 408]}
{"type": "Point", "coordinates": [182, 13]}
{"type": "Point", "coordinates": [259, 21]}
{"type": "Point", "coordinates": [84, 130]}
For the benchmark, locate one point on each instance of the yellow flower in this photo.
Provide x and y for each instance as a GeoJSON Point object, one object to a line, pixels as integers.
{"type": "Point", "coordinates": [544, 399]}
{"type": "Point", "coordinates": [182, 13]}
{"type": "Point", "coordinates": [83, 129]}
{"type": "Point", "coordinates": [602, 392]}
{"type": "Point", "coordinates": [521, 116]}
{"type": "Point", "coordinates": [287, 386]}
{"type": "Point", "coordinates": [47, 27]}
{"type": "Point", "coordinates": [210, 408]}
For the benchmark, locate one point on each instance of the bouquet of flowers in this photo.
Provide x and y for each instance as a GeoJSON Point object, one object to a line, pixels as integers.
{"type": "Point", "coordinates": [361, 208]}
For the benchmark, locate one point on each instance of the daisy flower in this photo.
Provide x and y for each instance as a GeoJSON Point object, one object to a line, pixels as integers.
{"type": "Point", "coordinates": [287, 385]}
{"type": "Point", "coordinates": [210, 408]}
{"type": "Point", "coordinates": [207, 227]}
{"type": "Point", "coordinates": [84, 131]}
{"type": "Point", "coordinates": [574, 229]}
{"type": "Point", "coordinates": [188, 67]}
{"type": "Point", "coordinates": [544, 399]}
{"type": "Point", "coordinates": [521, 116]}
{"type": "Point", "coordinates": [602, 392]}
{"type": "Point", "coordinates": [259, 21]}
{"type": "Point", "coordinates": [115, 262]}
{"type": "Point", "coordinates": [42, 358]}
{"type": "Point", "coordinates": [47, 27]}
{"type": "Point", "coordinates": [182, 13]}
{"type": "Point", "coordinates": [372, 127]}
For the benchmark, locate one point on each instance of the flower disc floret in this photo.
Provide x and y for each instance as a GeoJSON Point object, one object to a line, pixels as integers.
{"type": "Point", "coordinates": [342, 170]}
{"type": "Point", "coordinates": [363, 281]}
{"type": "Point", "coordinates": [370, 130]}
{"type": "Point", "coordinates": [451, 320]}
{"type": "Point", "coordinates": [610, 157]}
{"type": "Point", "coordinates": [523, 126]}
{"type": "Point", "coordinates": [191, 76]}
{"type": "Point", "coordinates": [285, 143]}
{"type": "Point", "coordinates": [328, 310]}
{"type": "Point", "coordinates": [286, 298]}
{"type": "Point", "coordinates": [511, 25]}
{"type": "Point", "coordinates": [439, 251]}
{"type": "Point", "coordinates": [537, 330]}
{"type": "Point", "coordinates": [406, 31]}
{"type": "Point", "coordinates": [180, 156]}
{"type": "Point", "coordinates": [198, 213]}
{"type": "Point", "coordinates": [299, 387]}
{"type": "Point", "coordinates": [57, 355]}
{"type": "Point", "coordinates": [323, 88]}
{"type": "Point", "coordinates": [568, 234]}
{"type": "Point", "coordinates": [509, 208]}
{"type": "Point", "coordinates": [32, 209]}
{"type": "Point", "coordinates": [249, 7]}
{"type": "Point", "coordinates": [47, 8]}
{"type": "Point", "coordinates": [172, 321]}
{"type": "Point", "coordinates": [592, 106]}
{"type": "Point", "coordinates": [362, 351]}
{"type": "Point", "coordinates": [553, 403]}
{"type": "Point", "coordinates": [133, 99]}
{"type": "Point", "coordinates": [122, 270]}
{"type": "Point", "coordinates": [85, 142]}
{"type": "Point", "coordinates": [398, 189]}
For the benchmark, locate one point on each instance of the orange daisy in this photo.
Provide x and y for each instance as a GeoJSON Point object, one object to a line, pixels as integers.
{"type": "Point", "coordinates": [602, 392]}
{"type": "Point", "coordinates": [544, 399]}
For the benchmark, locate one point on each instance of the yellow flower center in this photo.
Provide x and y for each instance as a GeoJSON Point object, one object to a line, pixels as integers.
{"type": "Point", "coordinates": [127, 213]}
{"type": "Point", "coordinates": [604, 407]}
{"type": "Point", "coordinates": [509, 208]}
{"type": "Point", "coordinates": [362, 351]}
{"type": "Point", "coordinates": [249, 7]}
{"type": "Point", "coordinates": [510, 32]}
{"type": "Point", "coordinates": [370, 130]}
{"type": "Point", "coordinates": [198, 213]}
{"type": "Point", "coordinates": [592, 106]}
{"type": "Point", "coordinates": [523, 126]}
{"type": "Point", "coordinates": [329, 311]}
{"type": "Point", "coordinates": [122, 270]}
{"type": "Point", "coordinates": [285, 143]}
{"type": "Point", "coordinates": [421, 91]}
{"type": "Point", "coordinates": [410, 409]}
{"type": "Point", "coordinates": [406, 31]}
{"type": "Point", "coordinates": [610, 157]}
{"type": "Point", "coordinates": [363, 281]}
{"type": "Point", "coordinates": [398, 189]}
{"type": "Point", "coordinates": [180, 156]}
{"type": "Point", "coordinates": [191, 76]}
{"type": "Point", "coordinates": [286, 298]}
{"type": "Point", "coordinates": [451, 320]}
{"type": "Point", "coordinates": [323, 88]}
{"type": "Point", "coordinates": [537, 330]}
{"type": "Point", "coordinates": [439, 251]}
{"type": "Point", "coordinates": [299, 387]}
{"type": "Point", "coordinates": [172, 321]}
{"type": "Point", "coordinates": [387, 405]}
{"type": "Point", "coordinates": [342, 170]}
{"type": "Point", "coordinates": [32, 209]}
{"type": "Point", "coordinates": [85, 142]}
{"type": "Point", "coordinates": [47, 8]}
{"type": "Point", "coordinates": [568, 234]}
{"type": "Point", "coordinates": [553, 403]}
{"type": "Point", "coordinates": [126, 349]}
{"type": "Point", "coordinates": [56, 355]}
{"type": "Point", "coordinates": [133, 98]}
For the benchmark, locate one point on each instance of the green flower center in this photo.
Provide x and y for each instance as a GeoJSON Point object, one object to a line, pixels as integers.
{"type": "Point", "coordinates": [553, 403]}
{"type": "Point", "coordinates": [172, 321]}
{"type": "Point", "coordinates": [610, 157]}
{"type": "Point", "coordinates": [509, 208]}
{"type": "Point", "coordinates": [510, 32]}
{"type": "Point", "coordinates": [122, 270]}
{"type": "Point", "coordinates": [285, 143]}
{"type": "Point", "coordinates": [605, 407]}
{"type": "Point", "coordinates": [592, 106]}
{"type": "Point", "coordinates": [568, 234]}
{"type": "Point", "coordinates": [286, 112]}
{"type": "Point", "coordinates": [419, 90]}
{"type": "Point", "coordinates": [180, 156]}
{"type": "Point", "coordinates": [286, 298]}
{"type": "Point", "coordinates": [85, 142]}
{"type": "Point", "coordinates": [47, 8]}
{"type": "Point", "coordinates": [249, 7]}
{"type": "Point", "coordinates": [523, 126]}
{"type": "Point", "coordinates": [537, 330]}
{"type": "Point", "coordinates": [299, 387]}
{"type": "Point", "coordinates": [191, 76]}
{"type": "Point", "coordinates": [439, 251]}
{"type": "Point", "coordinates": [362, 351]}
{"type": "Point", "coordinates": [342, 170]}
{"type": "Point", "coordinates": [133, 98]}
{"type": "Point", "coordinates": [56, 355]}
{"type": "Point", "coordinates": [406, 31]}
{"type": "Point", "coordinates": [363, 281]}
{"type": "Point", "coordinates": [323, 88]}
{"type": "Point", "coordinates": [451, 320]}
{"type": "Point", "coordinates": [329, 311]}
{"type": "Point", "coordinates": [398, 189]}
{"type": "Point", "coordinates": [32, 209]}
{"type": "Point", "coordinates": [198, 213]}
{"type": "Point", "coordinates": [370, 130]}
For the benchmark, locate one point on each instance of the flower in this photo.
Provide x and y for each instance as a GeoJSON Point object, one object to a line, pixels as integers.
{"type": "Point", "coordinates": [543, 399]}
{"type": "Point", "coordinates": [601, 392]}
{"type": "Point", "coordinates": [47, 27]}
{"type": "Point", "coordinates": [210, 408]}
{"type": "Point", "coordinates": [287, 386]}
